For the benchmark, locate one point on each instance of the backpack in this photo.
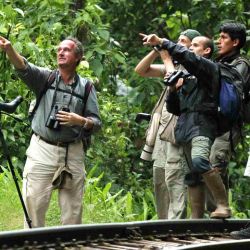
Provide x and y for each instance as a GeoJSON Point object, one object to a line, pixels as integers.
{"type": "Point", "coordinates": [246, 92]}
{"type": "Point", "coordinates": [35, 103]}
{"type": "Point", "coordinates": [230, 97]}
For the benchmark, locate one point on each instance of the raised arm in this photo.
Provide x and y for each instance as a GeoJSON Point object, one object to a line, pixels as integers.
{"type": "Point", "coordinates": [196, 65]}
{"type": "Point", "coordinates": [15, 58]}
{"type": "Point", "coordinates": [146, 68]}
{"type": "Point", "coordinates": [167, 60]}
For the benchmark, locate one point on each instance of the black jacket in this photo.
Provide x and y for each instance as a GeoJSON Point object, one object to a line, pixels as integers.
{"type": "Point", "coordinates": [196, 101]}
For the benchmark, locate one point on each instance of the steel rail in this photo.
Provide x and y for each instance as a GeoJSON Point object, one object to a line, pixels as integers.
{"type": "Point", "coordinates": [224, 245]}
{"type": "Point", "coordinates": [180, 234]}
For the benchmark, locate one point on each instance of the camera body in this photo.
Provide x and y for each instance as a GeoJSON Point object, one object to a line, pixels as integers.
{"type": "Point", "coordinates": [142, 116]}
{"type": "Point", "coordinates": [52, 122]}
{"type": "Point", "coordinates": [173, 78]}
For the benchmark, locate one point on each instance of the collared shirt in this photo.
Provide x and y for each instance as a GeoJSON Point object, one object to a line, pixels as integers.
{"type": "Point", "coordinates": [35, 78]}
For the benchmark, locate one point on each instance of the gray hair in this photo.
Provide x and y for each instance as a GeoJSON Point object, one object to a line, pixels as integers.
{"type": "Point", "coordinates": [79, 47]}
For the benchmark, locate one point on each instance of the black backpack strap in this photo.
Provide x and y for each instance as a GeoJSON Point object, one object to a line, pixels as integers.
{"type": "Point", "coordinates": [88, 88]}
{"type": "Point", "coordinates": [86, 140]}
{"type": "Point", "coordinates": [231, 141]}
{"type": "Point", "coordinates": [73, 93]}
{"type": "Point", "coordinates": [50, 80]}
{"type": "Point", "coordinates": [241, 59]}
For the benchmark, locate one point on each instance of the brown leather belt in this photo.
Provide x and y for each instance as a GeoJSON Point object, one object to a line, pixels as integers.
{"type": "Point", "coordinates": [58, 144]}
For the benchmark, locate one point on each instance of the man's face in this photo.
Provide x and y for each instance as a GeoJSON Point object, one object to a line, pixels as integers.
{"type": "Point", "coordinates": [66, 55]}
{"type": "Point", "coordinates": [225, 44]}
{"type": "Point", "coordinates": [184, 41]}
{"type": "Point", "coordinates": [197, 46]}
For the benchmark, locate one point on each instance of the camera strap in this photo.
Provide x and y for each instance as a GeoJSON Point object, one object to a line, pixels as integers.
{"type": "Point", "coordinates": [56, 87]}
{"type": "Point", "coordinates": [88, 88]}
{"type": "Point", "coordinates": [71, 92]}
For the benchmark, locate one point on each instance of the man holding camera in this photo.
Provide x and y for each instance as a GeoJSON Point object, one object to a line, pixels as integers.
{"type": "Point", "coordinates": [232, 38]}
{"type": "Point", "coordinates": [63, 118]}
{"type": "Point", "coordinates": [169, 166]}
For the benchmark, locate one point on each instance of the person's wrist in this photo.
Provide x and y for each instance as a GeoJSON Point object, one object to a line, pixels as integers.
{"type": "Point", "coordinates": [160, 41]}
{"type": "Point", "coordinates": [85, 123]}
{"type": "Point", "coordinates": [8, 47]}
{"type": "Point", "coordinates": [157, 48]}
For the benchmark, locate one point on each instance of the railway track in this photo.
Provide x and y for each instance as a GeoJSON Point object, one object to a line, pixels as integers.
{"type": "Point", "coordinates": [153, 235]}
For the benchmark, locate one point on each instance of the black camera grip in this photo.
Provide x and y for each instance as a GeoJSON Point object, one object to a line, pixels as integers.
{"type": "Point", "coordinates": [173, 78]}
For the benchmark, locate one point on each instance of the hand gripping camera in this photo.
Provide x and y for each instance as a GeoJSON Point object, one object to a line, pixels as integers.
{"type": "Point", "coordinates": [173, 78]}
{"type": "Point", "coordinates": [52, 122]}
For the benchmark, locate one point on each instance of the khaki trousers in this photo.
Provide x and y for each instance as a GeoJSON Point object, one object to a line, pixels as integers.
{"type": "Point", "coordinates": [42, 162]}
{"type": "Point", "coordinates": [169, 172]}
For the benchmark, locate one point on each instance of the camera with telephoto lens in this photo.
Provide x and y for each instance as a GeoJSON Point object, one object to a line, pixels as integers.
{"type": "Point", "coordinates": [52, 122]}
{"type": "Point", "coordinates": [173, 78]}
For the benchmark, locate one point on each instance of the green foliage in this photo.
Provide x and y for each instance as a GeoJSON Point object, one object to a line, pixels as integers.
{"type": "Point", "coordinates": [118, 143]}
{"type": "Point", "coordinates": [11, 216]}
{"type": "Point", "coordinates": [168, 18]}
{"type": "Point", "coordinates": [36, 37]}
{"type": "Point", "coordinates": [240, 183]}
{"type": "Point", "coordinates": [109, 31]}
{"type": "Point", "coordinates": [100, 204]}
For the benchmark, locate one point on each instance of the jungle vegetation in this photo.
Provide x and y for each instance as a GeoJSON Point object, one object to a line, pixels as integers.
{"type": "Point", "coordinates": [119, 184]}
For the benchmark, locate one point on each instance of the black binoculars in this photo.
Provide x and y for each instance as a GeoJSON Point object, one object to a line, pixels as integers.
{"type": "Point", "coordinates": [52, 122]}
